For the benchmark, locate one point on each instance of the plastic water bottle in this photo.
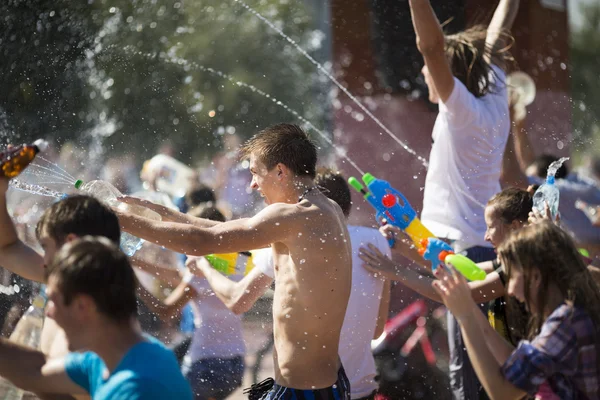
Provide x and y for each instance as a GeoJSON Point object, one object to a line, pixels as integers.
{"type": "Point", "coordinates": [14, 160]}
{"type": "Point", "coordinates": [107, 193]}
{"type": "Point", "coordinates": [548, 192]}
{"type": "Point", "coordinates": [28, 332]}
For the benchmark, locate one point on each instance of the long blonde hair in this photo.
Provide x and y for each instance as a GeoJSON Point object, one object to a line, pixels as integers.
{"type": "Point", "coordinates": [467, 51]}
{"type": "Point", "coordinates": [551, 251]}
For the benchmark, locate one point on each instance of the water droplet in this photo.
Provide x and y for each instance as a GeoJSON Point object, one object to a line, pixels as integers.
{"type": "Point", "coordinates": [287, 315]}
{"type": "Point", "coordinates": [302, 261]}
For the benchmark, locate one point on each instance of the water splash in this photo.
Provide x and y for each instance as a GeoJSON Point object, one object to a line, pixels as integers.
{"type": "Point", "coordinates": [34, 189]}
{"type": "Point", "coordinates": [335, 81]}
{"type": "Point", "coordinates": [58, 167]}
{"type": "Point", "coordinates": [190, 64]}
{"type": "Point", "coordinates": [555, 166]}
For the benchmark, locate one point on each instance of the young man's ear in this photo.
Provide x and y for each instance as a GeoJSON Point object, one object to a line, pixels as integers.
{"type": "Point", "coordinates": [282, 170]}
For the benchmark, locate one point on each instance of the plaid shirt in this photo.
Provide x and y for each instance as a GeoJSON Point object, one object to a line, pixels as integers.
{"type": "Point", "coordinates": [564, 354]}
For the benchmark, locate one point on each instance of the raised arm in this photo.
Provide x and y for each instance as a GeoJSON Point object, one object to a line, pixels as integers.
{"type": "Point", "coordinates": [452, 287]}
{"type": "Point", "coordinates": [239, 296]}
{"type": "Point", "coordinates": [273, 224]}
{"type": "Point", "coordinates": [501, 23]}
{"type": "Point", "coordinates": [30, 370]}
{"type": "Point", "coordinates": [524, 151]}
{"type": "Point", "coordinates": [430, 42]}
{"type": "Point", "coordinates": [14, 254]}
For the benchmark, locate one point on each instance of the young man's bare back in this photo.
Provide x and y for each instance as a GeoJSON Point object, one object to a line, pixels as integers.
{"type": "Point", "coordinates": [312, 254]}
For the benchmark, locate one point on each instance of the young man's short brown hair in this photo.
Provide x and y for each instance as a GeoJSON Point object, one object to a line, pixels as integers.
{"type": "Point", "coordinates": [94, 266]}
{"type": "Point", "coordinates": [79, 215]}
{"type": "Point", "coordinates": [287, 144]}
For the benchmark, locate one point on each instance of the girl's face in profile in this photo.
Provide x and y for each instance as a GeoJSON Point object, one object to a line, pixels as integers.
{"type": "Point", "coordinates": [517, 287]}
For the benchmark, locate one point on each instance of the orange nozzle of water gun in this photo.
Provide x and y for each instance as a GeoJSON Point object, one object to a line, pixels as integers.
{"type": "Point", "coordinates": [444, 254]}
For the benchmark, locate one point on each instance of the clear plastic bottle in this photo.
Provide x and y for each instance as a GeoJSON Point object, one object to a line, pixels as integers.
{"type": "Point", "coordinates": [548, 192]}
{"type": "Point", "coordinates": [107, 193]}
{"type": "Point", "coordinates": [28, 332]}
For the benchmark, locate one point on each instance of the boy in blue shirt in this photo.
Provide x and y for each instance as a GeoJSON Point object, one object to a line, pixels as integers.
{"type": "Point", "coordinates": [91, 296]}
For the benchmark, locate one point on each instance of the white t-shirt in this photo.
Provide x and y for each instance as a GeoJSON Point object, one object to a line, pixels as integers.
{"type": "Point", "coordinates": [218, 332]}
{"type": "Point", "coordinates": [362, 312]}
{"type": "Point", "coordinates": [469, 137]}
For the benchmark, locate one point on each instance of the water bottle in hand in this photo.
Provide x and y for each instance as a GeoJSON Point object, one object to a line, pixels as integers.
{"type": "Point", "coordinates": [107, 193]}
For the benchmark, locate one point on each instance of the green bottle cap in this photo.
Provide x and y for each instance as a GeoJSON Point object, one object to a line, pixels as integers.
{"type": "Point", "coordinates": [368, 178]}
{"type": "Point", "coordinates": [584, 253]}
{"type": "Point", "coordinates": [78, 183]}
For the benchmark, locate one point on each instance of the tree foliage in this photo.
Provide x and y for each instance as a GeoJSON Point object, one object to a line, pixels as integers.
{"type": "Point", "coordinates": [134, 73]}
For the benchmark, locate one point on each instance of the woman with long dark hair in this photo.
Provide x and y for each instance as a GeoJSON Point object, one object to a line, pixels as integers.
{"type": "Point", "coordinates": [548, 275]}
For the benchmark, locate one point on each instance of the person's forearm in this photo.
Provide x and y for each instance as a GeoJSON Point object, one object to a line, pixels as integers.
{"type": "Point", "coordinates": [21, 365]}
{"type": "Point", "coordinates": [522, 145]}
{"type": "Point", "coordinates": [411, 254]}
{"type": "Point", "coordinates": [504, 16]}
{"type": "Point", "coordinates": [497, 345]}
{"type": "Point", "coordinates": [181, 238]}
{"type": "Point", "coordinates": [487, 367]}
{"type": "Point", "coordinates": [512, 175]}
{"type": "Point", "coordinates": [162, 311]}
{"type": "Point", "coordinates": [228, 291]}
{"type": "Point", "coordinates": [430, 37]}
{"type": "Point", "coordinates": [165, 274]}
{"type": "Point", "coordinates": [417, 282]}
{"type": "Point", "coordinates": [14, 254]}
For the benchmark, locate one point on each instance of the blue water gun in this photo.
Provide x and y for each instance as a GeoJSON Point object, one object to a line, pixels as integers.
{"type": "Point", "coordinates": [392, 206]}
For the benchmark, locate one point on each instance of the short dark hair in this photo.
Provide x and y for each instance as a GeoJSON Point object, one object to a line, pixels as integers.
{"type": "Point", "coordinates": [287, 144]}
{"type": "Point", "coordinates": [335, 187]}
{"type": "Point", "coordinates": [512, 204]}
{"type": "Point", "coordinates": [96, 267]}
{"type": "Point", "coordinates": [200, 194]}
{"type": "Point", "coordinates": [80, 215]}
{"type": "Point", "coordinates": [543, 161]}
{"type": "Point", "coordinates": [207, 212]}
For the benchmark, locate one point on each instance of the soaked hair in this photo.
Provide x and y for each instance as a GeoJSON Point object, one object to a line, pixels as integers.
{"type": "Point", "coordinates": [287, 144]}
{"type": "Point", "coordinates": [79, 215]}
{"type": "Point", "coordinates": [335, 187]}
{"type": "Point", "coordinates": [467, 51]}
{"type": "Point", "coordinates": [512, 204]}
{"type": "Point", "coordinates": [546, 248]}
{"type": "Point", "coordinates": [95, 267]}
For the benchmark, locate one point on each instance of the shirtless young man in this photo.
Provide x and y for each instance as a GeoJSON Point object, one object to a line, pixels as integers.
{"type": "Point", "coordinates": [311, 253]}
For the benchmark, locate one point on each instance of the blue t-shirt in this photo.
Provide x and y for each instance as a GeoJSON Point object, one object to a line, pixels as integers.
{"type": "Point", "coordinates": [148, 371]}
